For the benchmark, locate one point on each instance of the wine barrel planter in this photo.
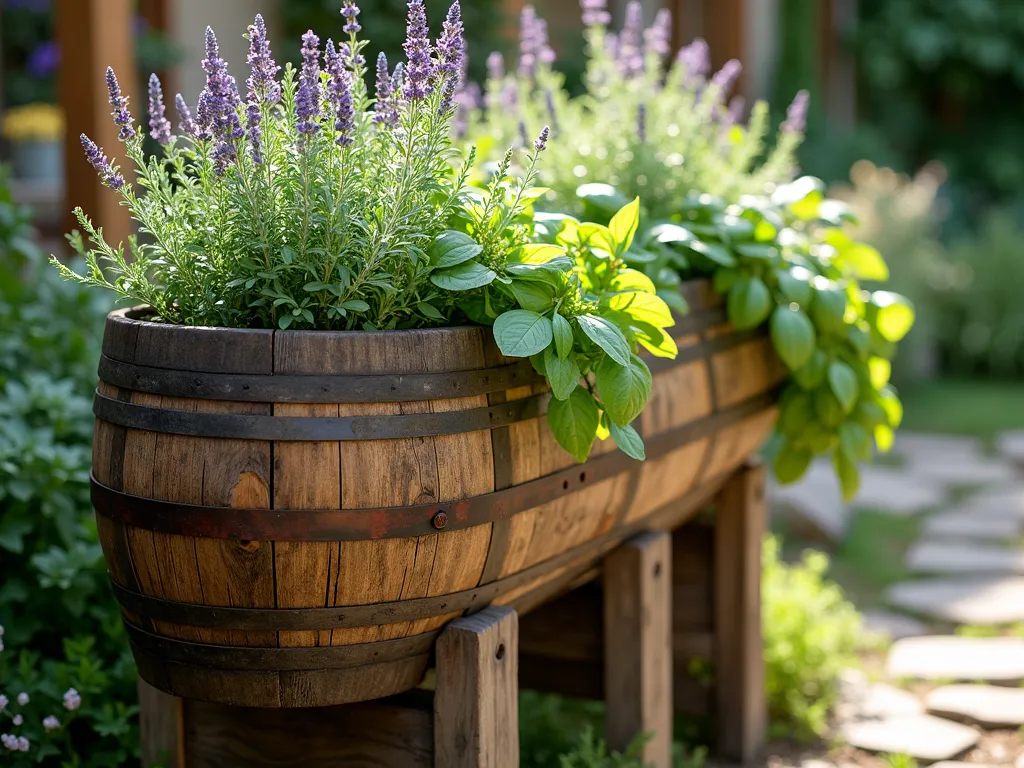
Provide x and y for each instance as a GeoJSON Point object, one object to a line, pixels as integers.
{"type": "Point", "coordinates": [290, 517]}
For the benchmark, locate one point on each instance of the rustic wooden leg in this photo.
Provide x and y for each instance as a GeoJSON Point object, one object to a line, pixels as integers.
{"type": "Point", "coordinates": [638, 646]}
{"type": "Point", "coordinates": [161, 728]}
{"type": "Point", "coordinates": [738, 648]}
{"type": "Point", "coordinates": [476, 704]}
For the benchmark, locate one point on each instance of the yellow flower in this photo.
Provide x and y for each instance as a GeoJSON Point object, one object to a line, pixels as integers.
{"type": "Point", "coordinates": [34, 122]}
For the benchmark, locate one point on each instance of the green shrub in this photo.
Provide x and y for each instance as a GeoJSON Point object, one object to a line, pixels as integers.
{"type": "Point", "coordinates": [810, 636]}
{"type": "Point", "coordinates": [61, 627]}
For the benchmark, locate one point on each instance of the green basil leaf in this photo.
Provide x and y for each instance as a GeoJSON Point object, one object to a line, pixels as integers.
{"type": "Point", "coordinates": [606, 336]}
{"type": "Point", "coordinates": [757, 251]}
{"type": "Point", "coordinates": [827, 407]}
{"type": "Point", "coordinates": [717, 253]}
{"type": "Point", "coordinates": [749, 303]}
{"type": "Point", "coordinates": [644, 308]}
{"type": "Point", "coordinates": [628, 440]}
{"type": "Point", "coordinates": [675, 301]}
{"type": "Point", "coordinates": [843, 382]}
{"type": "Point", "coordinates": [562, 332]}
{"type": "Point", "coordinates": [672, 234]}
{"type": "Point", "coordinates": [855, 440]}
{"type": "Point", "coordinates": [659, 343]}
{"type": "Point", "coordinates": [604, 197]}
{"type": "Point", "coordinates": [829, 307]}
{"type": "Point", "coordinates": [452, 247]}
{"type": "Point", "coordinates": [793, 336]}
{"type": "Point", "coordinates": [429, 310]}
{"type": "Point", "coordinates": [865, 262]}
{"type": "Point", "coordinates": [464, 277]}
{"type": "Point", "coordinates": [894, 315]}
{"type": "Point", "coordinates": [537, 253]}
{"type": "Point", "coordinates": [796, 412]}
{"type": "Point", "coordinates": [563, 374]}
{"type": "Point", "coordinates": [573, 422]}
{"type": "Point", "coordinates": [813, 373]}
{"type": "Point", "coordinates": [881, 370]}
{"type": "Point", "coordinates": [521, 333]}
{"type": "Point", "coordinates": [631, 280]}
{"type": "Point", "coordinates": [791, 463]}
{"type": "Point", "coordinates": [624, 224]}
{"type": "Point", "coordinates": [533, 295]}
{"type": "Point", "coordinates": [624, 389]}
{"type": "Point", "coordinates": [884, 438]}
{"type": "Point", "coordinates": [892, 405]}
{"type": "Point", "coordinates": [849, 477]}
{"type": "Point", "coordinates": [795, 285]}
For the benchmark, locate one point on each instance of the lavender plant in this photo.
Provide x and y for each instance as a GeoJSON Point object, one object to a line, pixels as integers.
{"type": "Point", "coordinates": [310, 204]}
{"type": "Point", "coordinates": [719, 203]}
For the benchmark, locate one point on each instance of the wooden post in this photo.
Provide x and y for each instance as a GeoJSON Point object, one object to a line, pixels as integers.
{"type": "Point", "coordinates": [638, 646]}
{"type": "Point", "coordinates": [95, 34]}
{"type": "Point", "coordinates": [738, 650]}
{"type": "Point", "coordinates": [161, 728]}
{"type": "Point", "coordinates": [476, 704]}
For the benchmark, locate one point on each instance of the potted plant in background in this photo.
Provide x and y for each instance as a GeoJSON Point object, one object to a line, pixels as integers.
{"type": "Point", "coordinates": [35, 132]}
{"type": "Point", "coordinates": [326, 390]}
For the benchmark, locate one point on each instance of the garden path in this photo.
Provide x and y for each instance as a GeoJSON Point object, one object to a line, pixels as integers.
{"type": "Point", "coordinates": [950, 510]}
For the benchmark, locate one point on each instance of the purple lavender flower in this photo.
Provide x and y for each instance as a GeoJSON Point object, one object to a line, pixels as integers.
{"type": "Point", "coordinates": [22, 699]}
{"type": "Point", "coordinates": [451, 47]}
{"type": "Point", "coordinates": [385, 110]}
{"type": "Point", "coordinates": [262, 83]}
{"type": "Point", "coordinates": [108, 176]}
{"type": "Point", "coordinates": [122, 117]}
{"type": "Point", "coordinates": [185, 121]}
{"type": "Point", "coordinates": [533, 42]}
{"type": "Point", "coordinates": [51, 723]}
{"type": "Point", "coordinates": [43, 60]}
{"type": "Point", "coordinates": [595, 12]}
{"type": "Point", "coordinates": [352, 62]}
{"type": "Point", "coordinates": [725, 78]}
{"type": "Point", "coordinates": [541, 142]}
{"type": "Point", "coordinates": [307, 99]}
{"type": "Point", "coordinates": [339, 96]}
{"type": "Point", "coordinates": [631, 56]}
{"type": "Point", "coordinates": [641, 122]}
{"type": "Point", "coordinates": [696, 61]}
{"type": "Point", "coordinates": [796, 115]}
{"type": "Point", "coordinates": [217, 113]}
{"type": "Point", "coordinates": [510, 98]}
{"type": "Point", "coordinates": [420, 69]}
{"type": "Point", "coordinates": [10, 742]}
{"type": "Point", "coordinates": [495, 66]}
{"type": "Point", "coordinates": [350, 11]}
{"type": "Point", "coordinates": [159, 125]}
{"type": "Point", "coordinates": [72, 700]}
{"type": "Point", "coordinates": [658, 38]}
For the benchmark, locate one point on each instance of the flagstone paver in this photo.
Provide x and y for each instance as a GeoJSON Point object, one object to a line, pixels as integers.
{"type": "Point", "coordinates": [969, 523]}
{"type": "Point", "coordinates": [963, 600]}
{"type": "Point", "coordinates": [897, 492]}
{"type": "Point", "coordinates": [949, 657]}
{"type": "Point", "coordinates": [1011, 445]}
{"type": "Point", "coordinates": [893, 626]}
{"type": "Point", "coordinates": [921, 736]}
{"type": "Point", "coordinates": [1003, 499]}
{"type": "Point", "coordinates": [963, 557]}
{"type": "Point", "coordinates": [980, 470]}
{"type": "Point", "coordinates": [989, 706]}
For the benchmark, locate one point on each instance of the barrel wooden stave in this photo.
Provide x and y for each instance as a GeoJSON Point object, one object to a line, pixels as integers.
{"type": "Point", "coordinates": [352, 474]}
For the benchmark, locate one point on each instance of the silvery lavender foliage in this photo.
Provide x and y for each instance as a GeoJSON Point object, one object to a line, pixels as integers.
{"type": "Point", "coordinates": [419, 72]}
{"type": "Point", "coordinates": [350, 11]}
{"type": "Point", "coordinates": [533, 42]}
{"type": "Point", "coordinates": [308, 97]}
{"type": "Point", "coordinates": [595, 12]}
{"type": "Point", "coordinates": [159, 125]}
{"type": "Point", "coordinates": [339, 96]}
{"type": "Point", "coordinates": [122, 117]}
{"type": "Point", "coordinates": [98, 160]}
{"type": "Point", "coordinates": [796, 115]}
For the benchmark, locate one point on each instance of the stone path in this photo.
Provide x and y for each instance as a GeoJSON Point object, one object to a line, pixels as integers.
{"type": "Point", "coordinates": [967, 567]}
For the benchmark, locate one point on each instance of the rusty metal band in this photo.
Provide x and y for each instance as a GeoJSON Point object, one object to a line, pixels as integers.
{"type": "Point", "coordinates": [393, 522]}
{"type": "Point", "coordinates": [314, 428]}
{"type": "Point", "coordinates": [703, 350]}
{"type": "Point", "coordinates": [355, 616]}
{"type": "Point", "coordinates": [169, 649]}
{"type": "Point", "coordinates": [316, 389]}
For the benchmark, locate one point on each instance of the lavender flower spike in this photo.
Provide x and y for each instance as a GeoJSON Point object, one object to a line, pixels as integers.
{"type": "Point", "coordinates": [382, 103]}
{"type": "Point", "coordinates": [217, 113]}
{"type": "Point", "coordinates": [99, 161]}
{"type": "Point", "coordinates": [796, 115]}
{"type": "Point", "coordinates": [725, 78]}
{"type": "Point", "coordinates": [631, 58]}
{"type": "Point", "coordinates": [350, 11]}
{"type": "Point", "coordinates": [541, 142]}
{"type": "Point", "coordinates": [659, 36]}
{"type": "Point", "coordinates": [420, 69]}
{"type": "Point", "coordinates": [159, 125]}
{"type": "Point", "coordinates": [122, 117]}
{"type": "Point", "coordinates": [307, 99]}
{"type": "Point", "coordinates": [262, 83]}
{"type": "Point", "coordinates": [495, 66]}
{"type": "Point", "coordinates": [696, 61]}
{"type": "Point", "coordinates": [185, 121]}
{"type": "Point", "coordinates": [595, 12]}
{"type": "Point", "coordinates": [451, 46]}
{"type": "Point", "coordinates": [533, 42]}
{"type": "Point", "coordinates": [339, 96]}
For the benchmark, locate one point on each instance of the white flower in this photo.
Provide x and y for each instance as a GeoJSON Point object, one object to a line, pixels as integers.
{"type": "Point", "coordinates": [3, 702]}
{"type": "Point", "coordinates": [72, 700]}
{"type": "Point", "coordinates": [23, 744]}
{"type": "Point", "coordinates": [51, 723]}
{"type": "Point", "coordinates": [22, 699]}
{"type": "Point", "coordinates": [11, 742]}
{"type": "Point", "coordinates": [17, 719]}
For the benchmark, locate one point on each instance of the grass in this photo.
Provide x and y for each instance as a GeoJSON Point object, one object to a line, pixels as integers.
{"type": "Point", "coordinates": [975, 408]}
{"type": "Point", "coordinates": [871, 556]}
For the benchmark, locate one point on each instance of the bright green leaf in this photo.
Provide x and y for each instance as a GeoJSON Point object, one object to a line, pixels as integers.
{"type": "Point", "coordinates": [624, 389]}
{"type": "Point", "coordinates": [562, 331]}
{"type": "Point", "coordinates": [881, 370]}
{"type": "Point", "coordinates": [793, 336]}
{"type": "Point", "coordinates": [813, 373]}
{"type": "Point", "coordinates": [563, 374]}
{"type": "Point", "coordinates": [644, 308]}
{"type": "Point", "coordinates": [624, 224]}
{"type": "Point", "coordinates": [602, 196]}
{"type": "Point", "coordinates": [631, 280]}
{"type": "Point", "coordinates": [521, 333]}
{"type": "Point", "coordinates": [749, 303]}
{"type": "Point", "coordinates": [790, 463]}
{"type": "Point", "coordinates": [533, 295]}
{"type": "Point", "coordinates": [843, 382]}
{"type": "Point", "coordinates": [537, 253]}
{"type": "Point", "coordinates": [849, 477]}
{"type": "Point", "coordinates": [573, 422]}
{"type": "Point", "coordinates": [451, 248]}
{"type": "Point", "coordinates": [895, 315]}
{"type": "Point", "coordinates": [629, 442]}
{"type": "Point", "coordinates": [606, 336]}
{"type": "Point", "coordinates": [464, 277]}
{"type": "Point", "coordinates": [855, 440]}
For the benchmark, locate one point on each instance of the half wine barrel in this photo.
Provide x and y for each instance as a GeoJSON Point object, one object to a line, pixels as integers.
{"type": "Point", "coordinates": [289, 518]}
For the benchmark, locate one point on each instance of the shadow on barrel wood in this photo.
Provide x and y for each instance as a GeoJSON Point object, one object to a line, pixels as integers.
{"type": "Point", "coordinates": [289, 518]}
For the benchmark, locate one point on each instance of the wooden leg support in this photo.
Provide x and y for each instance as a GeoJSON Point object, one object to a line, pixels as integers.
{"type": "Point", "coordinates": [638, 646]}
{"type": "Point", "coordinates": [738, 645]}
{"type": "Point", "coordinates": [476, 704]}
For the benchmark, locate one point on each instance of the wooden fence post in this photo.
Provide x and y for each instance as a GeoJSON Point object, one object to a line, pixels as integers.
{"type": "Point", "coordinates": [638, 646]}
{"type": "Point", "coordinates": [476, 704]}
{"type": "Point", "coordinates": [739, 647]}
{"type": "Point", "coordinates": [161, 728]}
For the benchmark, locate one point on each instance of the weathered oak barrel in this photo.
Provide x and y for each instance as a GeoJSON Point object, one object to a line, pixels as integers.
{"type": "Point", "coordinates": [289, 517]}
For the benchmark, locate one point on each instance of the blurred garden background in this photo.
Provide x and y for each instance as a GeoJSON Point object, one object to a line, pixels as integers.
{"type": "Point", "coordinates": [917, 113]}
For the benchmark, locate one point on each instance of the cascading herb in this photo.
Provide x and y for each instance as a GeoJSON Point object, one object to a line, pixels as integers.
{"type": "Point", "coordinates": [718, 203]}
{"type": "Point", "coordinates": [309, 204]}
